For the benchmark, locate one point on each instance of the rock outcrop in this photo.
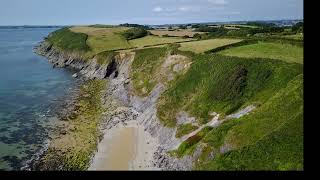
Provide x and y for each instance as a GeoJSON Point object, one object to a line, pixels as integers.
{"type": "Point", "coordinates": [89, 69]}
{"type": "Point", "coordinates": [123, 105]}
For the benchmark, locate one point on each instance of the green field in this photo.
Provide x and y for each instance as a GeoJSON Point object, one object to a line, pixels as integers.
{"type": "Point", "coordinates": [281, 51]}
{"type": "Point", "coordinates": [294, 36]}
{"type": "Point", "coordinates": [241, 26]}
{"type": "Point", "coordinates": [107, 39]}
{"type": "Point", "coordinates": [103, 39]}
{"type": "Point", "coordinates": [154, 40]}
{"type": "Point", "coordinates": [205, 45]}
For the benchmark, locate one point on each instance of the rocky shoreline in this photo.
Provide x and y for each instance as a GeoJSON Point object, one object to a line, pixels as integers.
{"type": "Point", "coordinates": [123, 108]}
{"type": "Point", "coordinates": [122, 105]}
{"type": "Point", "coordinates": [62, 111]}
{"type": "Point", "coordinates": [89, 69]}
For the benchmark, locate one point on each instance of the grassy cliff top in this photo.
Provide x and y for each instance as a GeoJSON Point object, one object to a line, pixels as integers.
{"type": "Point", "coordinates": [67, 40]}
{"type": "Point", "coordinates": [237, 73]}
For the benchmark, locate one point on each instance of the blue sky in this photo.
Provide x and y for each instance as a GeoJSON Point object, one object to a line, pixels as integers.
{"type": "Point", "coordinates": [75, 12]}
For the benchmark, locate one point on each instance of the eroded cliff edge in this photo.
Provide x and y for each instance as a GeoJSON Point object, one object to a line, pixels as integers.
{"type": "Point", "coordinates": [122, 106]}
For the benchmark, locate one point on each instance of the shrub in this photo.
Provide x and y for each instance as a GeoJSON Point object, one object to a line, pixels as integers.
{"type": "Point", "coordinates": [134, 33]}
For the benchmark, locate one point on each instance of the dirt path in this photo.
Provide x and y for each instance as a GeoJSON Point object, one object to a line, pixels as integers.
{"type": "Point", "coordinates": [134, 139]}
{"type": "Point", "coordinates": [215, 122]}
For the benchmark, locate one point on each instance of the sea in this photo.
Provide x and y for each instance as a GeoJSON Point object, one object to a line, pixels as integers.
{"type": "Point", "coordinates": [30, 89]}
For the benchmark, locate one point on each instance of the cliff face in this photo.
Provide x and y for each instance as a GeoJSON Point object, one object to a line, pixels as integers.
{"type": "Point", "coordinates": [122, 104]}
{"type": "Point", "coordinates": [90, 69]}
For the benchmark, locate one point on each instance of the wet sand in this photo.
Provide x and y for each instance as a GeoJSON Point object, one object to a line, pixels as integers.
{"type": "Point", "coordinates": [124, 148]}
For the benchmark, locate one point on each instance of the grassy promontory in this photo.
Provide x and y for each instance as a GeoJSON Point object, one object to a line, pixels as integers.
{"type": "Point", "coordinates": [66, 40]}
{"type": "Point", "coordinates": [266, 73]}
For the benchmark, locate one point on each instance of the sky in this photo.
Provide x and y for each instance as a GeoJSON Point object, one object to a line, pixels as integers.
{"type": "Point", "coordinates": [83, 12]}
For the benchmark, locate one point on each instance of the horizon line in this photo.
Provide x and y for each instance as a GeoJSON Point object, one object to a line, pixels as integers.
{"type": "Point", "coordinates": [293, 19]}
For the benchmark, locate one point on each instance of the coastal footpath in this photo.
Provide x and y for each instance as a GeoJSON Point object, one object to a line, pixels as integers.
{"type": "Point", "coordinates": [172, 109]}
{"type": "Point", "coordinates": [121, 109]}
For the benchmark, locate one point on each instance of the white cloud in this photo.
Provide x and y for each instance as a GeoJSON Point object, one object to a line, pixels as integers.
{"type": "Point", "coordinates": [184, 8]}
{"type": "Point", "coordinates": [157, 9]}
{"type": "Point", "coordinates": [218, 2]}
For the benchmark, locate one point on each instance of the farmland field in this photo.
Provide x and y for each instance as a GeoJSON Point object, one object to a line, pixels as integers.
{"type": "Point", "coordinates": [175, 33]}
{"type": "Point", "coordinates": [205, 45]}
{"type": "Point", "coordinates": [155, 40]}
{"type": "Point", "coordinates": [285, 52]}
{"type": "Point", "coordinates": [295, 36]}
{"type": "Point", "coordinates": [106, 39]}
{"type": "Point", "coordinates": [240, 26]}
{"type": "Point", "coordinates": [102, 39]}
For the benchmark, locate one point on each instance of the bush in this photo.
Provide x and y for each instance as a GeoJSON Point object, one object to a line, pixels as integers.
{"type": "Point", "coordinates": [136, 26]}
{"type": "Point", "coordinates": [195, 26]}
{"type": "Point", "coordinates": [134, 33]}
{"type": "Point", "coordinates": [298, 27]}
{"type": "Point", "coordinates": [197, 36]}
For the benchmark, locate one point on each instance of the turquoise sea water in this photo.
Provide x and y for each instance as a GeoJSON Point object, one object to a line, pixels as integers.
{"type": "Point", "coordinates": [29, 91]}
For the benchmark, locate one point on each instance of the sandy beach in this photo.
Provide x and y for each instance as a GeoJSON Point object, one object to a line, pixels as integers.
{"type": "Point", "coordinates": [125, 148]}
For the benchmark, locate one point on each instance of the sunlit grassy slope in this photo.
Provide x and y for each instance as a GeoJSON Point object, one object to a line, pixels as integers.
{"type": "Point", "coordinates": [271, 138]}
{"type": "Point", "coordinates": [154, 40]}
{"type": "Point", "coordinates": [205, 45]}
{"type": "Point", "coordinates": [66, 40]}
{"type": "Point", "coordinates": [281, 51]}
{"type": "Point", "coordinates": [223, 84]}
{"type": "Point", "coordinates": [104, 39]}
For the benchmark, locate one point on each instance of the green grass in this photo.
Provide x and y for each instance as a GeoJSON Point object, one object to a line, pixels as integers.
{"type": "Point", "coordinates": [205, 45]}
{"type": "Point", "coordinates": [216, 137]}
{"type": "Point", "coordinates": [184, 129]}
{"type": "Point", "coordinates": [105, 57]}
{"type": "Point", "coordinates": [241, 25]}
{"type": "Point", "coordinates": [223, 84]}
{"type": "Point", "coordinates": [145, 67]}
{"type": "Point", "coordinates": [294, 36]}
{"type": "Point", "coordinates": [102, 26]}
{"type": "Point", "coordinates": [187, 147]}
{"type": "Point", "coordinates": [281, 51]}
{"type": "Point", "coordinates": [66, 40]}
{"type": "Point", "coordinates": [103, 39]}
{"type": "Point", "coordinates": [92, 40]}
{"type": "Point", "coordinates": [155, 40]}
{"type": "Point", "coordinates": [271, 138]}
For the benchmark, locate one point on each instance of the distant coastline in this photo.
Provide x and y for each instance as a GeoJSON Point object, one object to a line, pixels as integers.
{"type": "Point", "coordinates": [27, 26]}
